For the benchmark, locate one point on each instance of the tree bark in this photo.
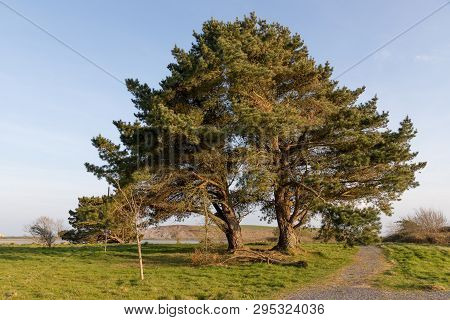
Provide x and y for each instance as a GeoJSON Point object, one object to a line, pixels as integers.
{"type": "Point", "coordinates": [141, 264]}
{"type": "Point", "coordinates": [230, 227]}
{"type": "Point", "coordinates": [287, 239]}
{"type": "Point", "coordinates": [233, 231]}
{"type": "Point", "coordinates": [234, 238]}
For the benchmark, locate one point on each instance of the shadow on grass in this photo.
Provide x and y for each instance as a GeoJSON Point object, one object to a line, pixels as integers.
{"type": "Point", "coordinates": [161, 259]}
{"type": "Point", "coordinates": [155, 253]}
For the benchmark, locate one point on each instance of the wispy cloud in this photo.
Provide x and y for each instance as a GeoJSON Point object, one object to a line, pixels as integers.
{"type": "Point", "coordinates": [440, 54]}
{"type": "Point", "coordinates": [425, 57]}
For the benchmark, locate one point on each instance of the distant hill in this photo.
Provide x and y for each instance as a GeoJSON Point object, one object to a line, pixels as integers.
{"type": "Point", "coordinates": [250, 233]}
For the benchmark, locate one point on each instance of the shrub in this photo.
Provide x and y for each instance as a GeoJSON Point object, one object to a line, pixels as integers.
{"type": "Point", "coordinates": [424, 226]}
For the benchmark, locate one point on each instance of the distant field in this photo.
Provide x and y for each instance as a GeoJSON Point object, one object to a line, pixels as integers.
{"type": "Point", "coordinates": [250, 233]}
{"type": "Point", "coordinates": [425, 267]}
{"type": "Point", "coordinates": [21, 240]}
{"type": "Point", "coordinates": [189, 233]}
{"type": "Point", "coordinates": [86, 272]}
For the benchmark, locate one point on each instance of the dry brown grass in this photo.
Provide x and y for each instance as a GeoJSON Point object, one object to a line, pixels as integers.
{"type": "Point", "coordinates": [201, 257]}
{"type": "Point", "coordinates": [217, 257]}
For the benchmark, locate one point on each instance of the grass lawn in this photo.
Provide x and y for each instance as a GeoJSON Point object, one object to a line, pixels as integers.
{"type": "Point", "coordinates": [416, 267]}
{"type": "Point", "coordinates": [86, 272]}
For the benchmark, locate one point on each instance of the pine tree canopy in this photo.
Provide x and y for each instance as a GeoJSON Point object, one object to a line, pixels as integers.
{"type": "Point", "coordinates": [93, 220]}
{"type": "Point", "coordinates": [247, 117]}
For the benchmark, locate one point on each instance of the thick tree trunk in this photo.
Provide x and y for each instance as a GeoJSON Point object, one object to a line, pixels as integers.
{"type": "Point", "coordinates": [233, 232]}
{"type": "Point", "coordinates": [287, 239]}
{"type": "Point", "coordinates": [230, 227]}
{"type": "Point", "coordinates": [234, 238]}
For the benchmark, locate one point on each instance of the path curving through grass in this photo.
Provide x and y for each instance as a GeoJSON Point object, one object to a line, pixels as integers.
{"type": "Point", "coordinates": [357, 282]}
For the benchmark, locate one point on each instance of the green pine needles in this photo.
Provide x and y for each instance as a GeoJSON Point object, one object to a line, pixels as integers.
{"type": "Point", "coordinates": [247, 122]}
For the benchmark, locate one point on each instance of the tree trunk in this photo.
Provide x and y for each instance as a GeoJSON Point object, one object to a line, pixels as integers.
{"type": "Point", "coordinates": [227, 221]}
{"type": "Point", "coordinates": [287, 239]}
{"type": "Point", "coordinates": [231, 228]}
{"type": "Point", "coordinates": [141, 265]}
{"type": "Point", "coordinates": [206, 222]}
{"type": "Point", "coordinates": [106, 240]}
{"type": "Point", "coordinates": [234, 239]}
{"type": "Point", "coordinates": [206, 231]}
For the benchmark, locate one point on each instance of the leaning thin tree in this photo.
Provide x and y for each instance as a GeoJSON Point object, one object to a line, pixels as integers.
{"type": "Point", "coordinates": [131, 201]}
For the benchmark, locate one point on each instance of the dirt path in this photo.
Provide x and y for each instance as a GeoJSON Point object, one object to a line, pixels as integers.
{"type": "Point", "coordinates": [354, 282]}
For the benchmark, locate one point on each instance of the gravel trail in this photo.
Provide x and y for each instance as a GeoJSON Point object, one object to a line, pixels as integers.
{"type": "Point", "coordinates": [354, 283]}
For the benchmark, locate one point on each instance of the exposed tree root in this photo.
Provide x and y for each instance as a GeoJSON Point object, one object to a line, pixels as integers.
{"type": "Point", "coordinates": [248, 255]}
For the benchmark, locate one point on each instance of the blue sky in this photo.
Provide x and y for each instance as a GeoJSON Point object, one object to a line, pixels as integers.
{"type": "Point", "coordinates": [52, 102]}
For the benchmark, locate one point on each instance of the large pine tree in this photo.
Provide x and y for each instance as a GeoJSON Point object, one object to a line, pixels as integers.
{"type": "Point", "coordinates": [309, 143]}
{"type": "Point", "coordinates": [250, 117]}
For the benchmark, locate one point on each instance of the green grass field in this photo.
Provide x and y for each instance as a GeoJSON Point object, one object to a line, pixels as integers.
{"type": "Point", "coordinates": [423, 267]}
{"type": "Point", "coordinates": [86, 272]}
